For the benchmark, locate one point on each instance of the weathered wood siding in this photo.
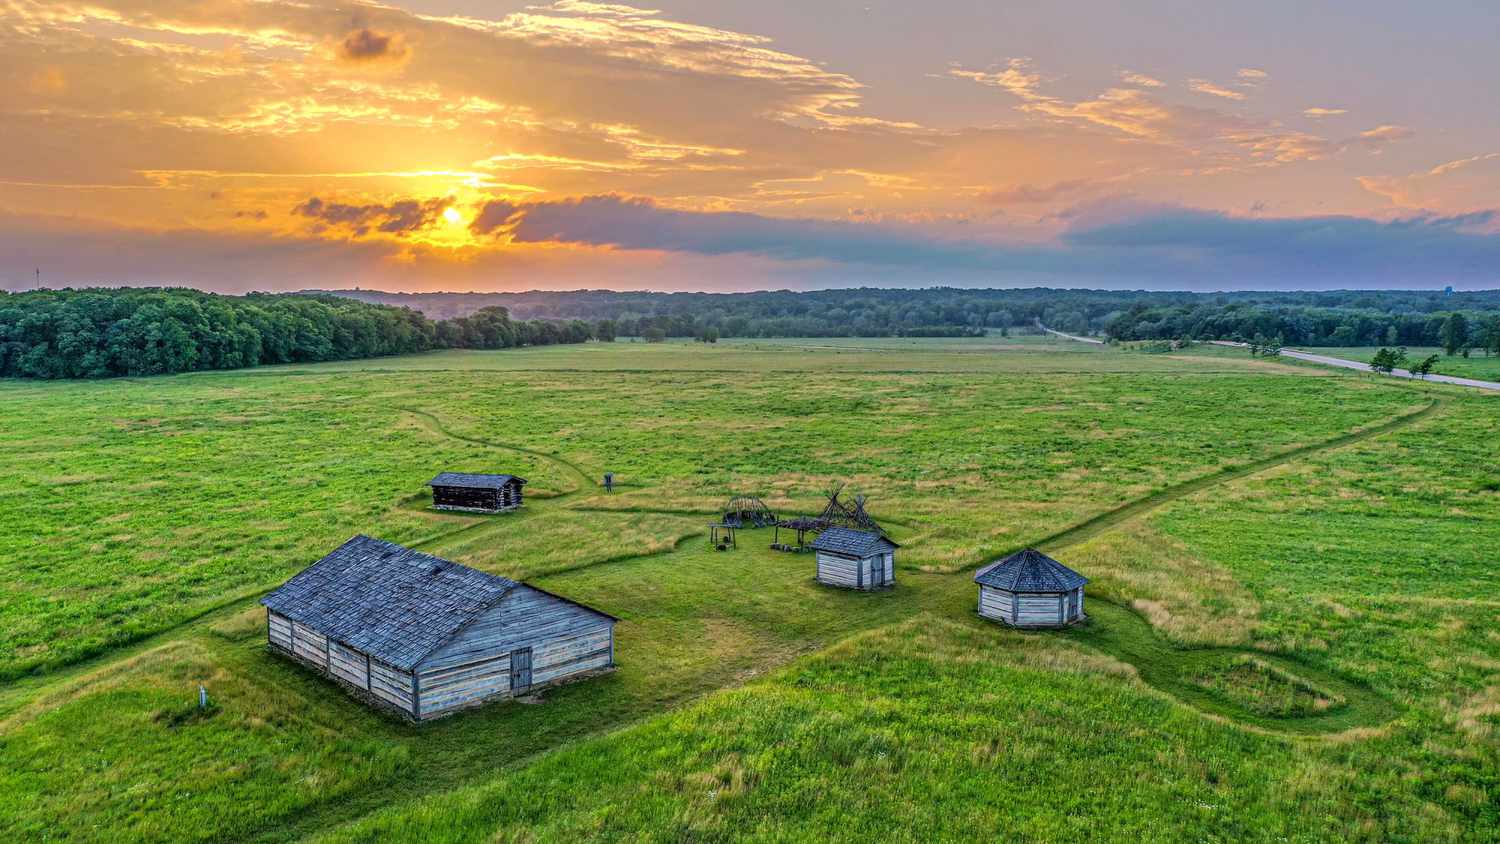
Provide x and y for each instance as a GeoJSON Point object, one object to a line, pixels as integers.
{"type": "Point", "coordinates": [1039, 610]}
{"type": "Point", "coordinates": [392, 685]}
{"type": "Point", "coordinates": [460, 685]}
{"type": "Point", "coordinates": [477, 500]}
{"type": "Point", "coordinates": [863, 573]}
{"type": "Point", "coordinates": [997, 604]}
{"type": "Point", "coordinates": [474, 665]}
{"type": "Point", "coordinates": [348, 665]}
{"type": "Point", "coordinates": [838, 571]}
{"type": "Point", "coordinates": [279, 630]}
{"type": "Point", "coordinates": [341, 662]}
{"type": "Point", "coordinates": [310, 645]}
{"type": "Point", "coordinates": [1075, 605]}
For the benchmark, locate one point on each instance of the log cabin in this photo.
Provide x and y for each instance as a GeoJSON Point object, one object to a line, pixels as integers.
{"type": "Point", "coordinates": [855, 559]}
{"type": "Point", "coordinates": [425, 637]}
{"type": "Point", "coordinates": [1030, 589]}
{"type": "Point", "coordinates": [474, 493]}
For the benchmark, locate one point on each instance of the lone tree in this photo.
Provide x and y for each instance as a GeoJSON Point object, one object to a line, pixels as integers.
{"type": "Point", "coordinates": [1424, 369]}
{"type": "Point", "coordinates": [1388, 360]}
{"type": "Point", "coordinates": [1455, 333]}
{"type": "Point", "coordinates": [1383, 361]}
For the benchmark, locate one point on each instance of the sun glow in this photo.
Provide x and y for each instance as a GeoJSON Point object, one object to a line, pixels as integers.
{"type": "Point", "coordinates": [453, 216]}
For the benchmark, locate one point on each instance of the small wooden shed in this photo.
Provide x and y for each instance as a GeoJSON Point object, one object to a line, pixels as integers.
{"type": "Point", "coordinates": [1030, 589]}
{"type": "Point", "coordinates": [426, 637]}
{"type": "Point", "coordinates": [855, 559]}
{"type": "Point", "coordinates": [476, 493]}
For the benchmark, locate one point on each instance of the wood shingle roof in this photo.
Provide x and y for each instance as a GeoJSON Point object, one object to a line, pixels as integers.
{"type": "Point", "coordinates": [393, 603]}
{"type": "Point", "coordinates": [472, 480]}
{"type": "Point", "coordinates": [851, 542]}
{"type": "Point", "coordinates": [1030, 570]}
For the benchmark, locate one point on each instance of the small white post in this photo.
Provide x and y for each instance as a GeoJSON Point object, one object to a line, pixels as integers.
{"type": "Point", "coordinates": [202, 697]}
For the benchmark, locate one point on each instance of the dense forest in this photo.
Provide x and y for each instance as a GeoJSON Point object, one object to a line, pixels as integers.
{"type": "Point", "coordinates": [1325, 318]}
{"type": "Point", "coordinates": [91, 333]}
{"type": "Point", "coordinates": [94, 333]}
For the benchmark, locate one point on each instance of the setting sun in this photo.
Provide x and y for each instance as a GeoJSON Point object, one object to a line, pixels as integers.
{"type": "Point", "coordinates": [453, 216]}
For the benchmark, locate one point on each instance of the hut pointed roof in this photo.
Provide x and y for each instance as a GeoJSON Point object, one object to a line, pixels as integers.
{"type": "Point", "coordinates": [1029, 570]}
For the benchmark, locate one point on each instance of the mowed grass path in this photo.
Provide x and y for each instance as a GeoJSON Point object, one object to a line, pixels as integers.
{"type": "Point", "coordinates": [119, 748]}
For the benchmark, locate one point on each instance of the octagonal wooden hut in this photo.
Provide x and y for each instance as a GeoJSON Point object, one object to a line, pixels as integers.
{"type": "Point", "coordinates": [426, 637]}
{"type": "Point", "coordinates": [476, 493]}
{"type": "Point", "coordinates": [1030, 589]}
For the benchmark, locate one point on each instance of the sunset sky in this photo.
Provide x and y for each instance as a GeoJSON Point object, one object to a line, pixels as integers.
{"type": "Point", "coordinates": [715, 145]}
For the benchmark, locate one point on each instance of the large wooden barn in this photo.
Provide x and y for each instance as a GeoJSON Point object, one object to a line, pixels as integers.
{"type": "Point", "coordinates": [476, 493]}
{"type": "Point", "coordinates": [1030, 589]}
{"type": "Point", "coordinates": [425, 636]}
{"type": "Point", "coordinates": [855, 559]}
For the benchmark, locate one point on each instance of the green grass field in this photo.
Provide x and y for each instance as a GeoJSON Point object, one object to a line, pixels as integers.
{"type": "Point", "coordinates": [1292, 607]}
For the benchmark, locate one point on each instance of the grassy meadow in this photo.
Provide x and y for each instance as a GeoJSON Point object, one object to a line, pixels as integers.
{"type": "Point", "coordinates": [1292, 607]}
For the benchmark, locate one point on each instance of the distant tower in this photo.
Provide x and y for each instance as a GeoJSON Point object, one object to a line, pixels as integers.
{"type": "Point", "coordinates": [1448, 291]}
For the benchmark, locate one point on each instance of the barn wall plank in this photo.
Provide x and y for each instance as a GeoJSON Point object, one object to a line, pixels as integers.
{"type": "Point", "coordinates": [838, 571]}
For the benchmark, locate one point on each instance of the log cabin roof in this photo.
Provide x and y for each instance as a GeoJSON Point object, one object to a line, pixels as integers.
{"type": "Point", "coordinates": [1030, 570]}
{"type": "Point", "coordinates": [391, 602]}
{"type": "Point", "coordinates": [474, 481]}
{"type": "Point", "coordinates": [854, 543]}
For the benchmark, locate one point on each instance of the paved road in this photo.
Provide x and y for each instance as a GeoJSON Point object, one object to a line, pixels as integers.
{"type": "Point", "coordinates": [1344, 363]}
{"type": "Point", "coordinates": [1069, 336]}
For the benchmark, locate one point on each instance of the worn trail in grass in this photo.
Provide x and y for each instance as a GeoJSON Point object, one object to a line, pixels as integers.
{"type": "Point", "coordinates": [1124, 634]}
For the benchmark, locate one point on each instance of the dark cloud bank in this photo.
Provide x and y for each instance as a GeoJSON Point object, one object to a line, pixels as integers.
{"type": "Point", "coordinates": [1169, 246]}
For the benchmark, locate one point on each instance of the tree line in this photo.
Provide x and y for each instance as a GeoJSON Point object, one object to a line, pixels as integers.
{"type": "Point", "coordinates": [1456, 331]}
{"type": "Point", "coordinates": [1348, 317]}
{"type": "Point", "coordinates": [97, 333]}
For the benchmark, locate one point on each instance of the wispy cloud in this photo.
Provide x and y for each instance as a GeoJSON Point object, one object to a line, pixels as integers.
{"type": "Point", "coordinates": [1204, 86]}
{"type": "Point", "coordinates": [1140, 79]}
{"type": "Point", "coordinates": [1318, 111]}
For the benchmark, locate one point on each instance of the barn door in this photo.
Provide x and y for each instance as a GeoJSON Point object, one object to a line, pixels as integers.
{"type": "Point", "coordinates": [877, 570]}
{"type": "Point", "coordinates": [520, 671]}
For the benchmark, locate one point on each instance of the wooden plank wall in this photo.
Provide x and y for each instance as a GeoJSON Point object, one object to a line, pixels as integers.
{"type": "Point", "coordinates": [460, 685]}
{"type": "Point", "coordinates": [997, 604]}
{"type": "Point", "coordinates": [392, 685]}
{"type": "Point", "coordinates": [310, 645]}
{"type": "Point", "coordinates": [279, 630]}
{"type": "Point", "coordinates": [475, 664]}
{"type": "Point", "coordinates": [345, 664]}
{"type": "Point", "coordinates": [838, 571]}
{"type": "Point", "coordinates": [348, 665]}
{"type": "Point", "coordinates": [1038, 610]}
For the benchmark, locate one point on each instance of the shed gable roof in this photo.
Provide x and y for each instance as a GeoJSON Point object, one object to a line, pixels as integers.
{"type": "Point", "coordinates": [474, 480]}
{"type": "Point", "coordinates": [855, 543]}
{"type": "Point", "coordinates": [1030, 570]}
{"type": "Point", "coordinates": [391, 602]}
